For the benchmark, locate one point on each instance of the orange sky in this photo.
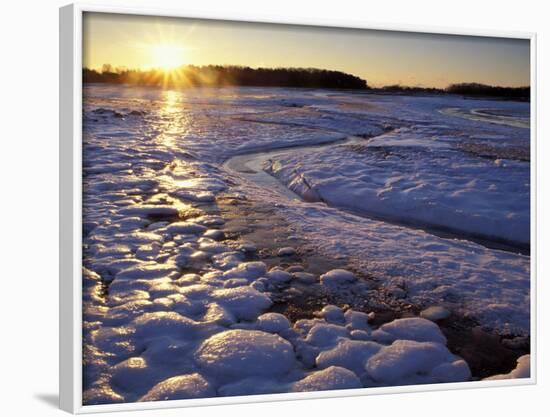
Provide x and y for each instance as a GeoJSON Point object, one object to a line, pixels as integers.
{"type": "Point", "coordinates": [380, 57]}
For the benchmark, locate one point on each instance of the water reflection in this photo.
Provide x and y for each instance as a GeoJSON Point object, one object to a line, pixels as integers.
{"type": "Point", "coordinates": [173, 119]}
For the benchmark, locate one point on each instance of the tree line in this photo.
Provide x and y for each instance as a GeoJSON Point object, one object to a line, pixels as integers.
{"type": "Point", "coordinates": [218, 76]}
{"type": "Point", "coordinates": [224, 75]}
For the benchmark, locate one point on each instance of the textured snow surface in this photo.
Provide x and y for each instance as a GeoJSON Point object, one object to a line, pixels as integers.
{"type": "Point", "coordinates": [491, 286]}
{"type": "Point", "coordinates": [174, 310]}
{"type": "Point", "coordinates": [236, 353]}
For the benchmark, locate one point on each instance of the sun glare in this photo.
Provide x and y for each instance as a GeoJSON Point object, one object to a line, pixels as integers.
{"type": "Point", "coordinates": [167, 56]}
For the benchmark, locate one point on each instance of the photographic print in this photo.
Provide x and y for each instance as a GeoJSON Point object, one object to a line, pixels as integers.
{"type": "Point", "coordinates": [274, 208]}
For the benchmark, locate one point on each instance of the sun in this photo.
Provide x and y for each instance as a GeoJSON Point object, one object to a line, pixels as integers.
{"type": "Point", "coordinates": [167, 56]}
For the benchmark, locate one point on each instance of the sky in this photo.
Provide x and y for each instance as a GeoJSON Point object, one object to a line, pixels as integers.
{"type": "Point", "coordinates": [380, 57]}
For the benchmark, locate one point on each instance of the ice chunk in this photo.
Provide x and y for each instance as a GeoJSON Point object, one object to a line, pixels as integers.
{"type": "Point", "coordinates": [198, 196]}
{"type": "Point", "coordinates": [333, 314]}
{"type": "Point", "coordinates": [164, 323]}
{"type": "Point", "coordinates": [295, 268]}
{"type": "Point", "coordinates": [349, 354]}
{"type": "Point", "coordinates": [213, 247]}
{"type": "Point", "coordinates": [286, 251]}
{"type": "Point", "coordinates": [103, 394]}
{"type": "Point", "coordinates": [124, 313]}
{"type": "Point", "coordinates": [248, 270]}
{"type": "Point", "coordinates": [132, 376]}
{"type": "Point", "coordinates": [305, 277]}
{"type": "Point", "coordinates": [242, 353]}
{"type": "Point", "coordinates": [357, 320]}
{"type": "Point", "coordinates": [217, 314]}
{"type": "Point", "coordinates": [325, 335]}
{"type": "Point", "coordinates": [328, 379]}
{"type": "Point", "coordinates": [147, 271]}
{"type": "Point", "coordinates": [272, 323]}
{"type": "Point", "coordinates": [167, 352]}
{"type": "Point", "coordinates": [411, 362]}
{"type": "Point", "coordinates": [337, 277]}
{"type": "Point", "coordinates": [245, 303]}
{"type": "Point", "coordinates": [186, 228]}
{"type": "Point", "coordinates": [247, 247]}
{"type": "Point", "coordinates": [435, 313]}
{"type": "Point", "coordinates": [114, 340]}
{"type": "Point", "coordinates": [214, 234]}
{"type": "Point", "coordinates": [413, 328]}
{"type": "Point", "coordinates": [278, 276]}
{"type": "Point", "coordinates": [449, 372]}
{"type": "Point", "coordinates": [181, 387]}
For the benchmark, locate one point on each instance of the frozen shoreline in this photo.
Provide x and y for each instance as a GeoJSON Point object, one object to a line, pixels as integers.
{"type": "Point", "coordinates": [256, 166]}
{"type": "Point", "coordinates": [175, 301]}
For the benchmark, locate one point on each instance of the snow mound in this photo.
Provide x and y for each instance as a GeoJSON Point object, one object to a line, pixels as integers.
{"type": "Point", "coordinates": [243, 353]}
{"type": "Point", "coordinates": [349, 354]}
{"type": "Point", "coordinates": [132, 375]}
{"type": "Point", "coordinates": [278, 276]}
{"type": "Point", "coordinates": [272, 323]}
{"type": "Point", "coordinates": [333, 314]}
{"type": "Point", "coordinates": [435, 313]}
{"type": "Point", "coordinates": [410, 362]}
{"type": "Point", "coordinates": [413, 328]}
{"type": "Point", "coordinates": [244, 303]}
{"type": "Point", "coordinates": [180, 387]}
{"type": "Point", "coordinates": [165, 323]}
{"type": "Point", "coordinates": [332, 378]}
{"type": "Point", "coordinates": [147, 271]}
{"type": "Point", "coordinates": [337, 277]}
{"type": "Point", "coordinates": [248, 270]}
{"type": "Point", "coordinates": [325, 335]}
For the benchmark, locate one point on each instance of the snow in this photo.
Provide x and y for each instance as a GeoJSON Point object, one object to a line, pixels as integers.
{"type": "Point", "coordinates": [132, 375]}
{"type": "Point", "coordinates": [328, 379]}
{"type": "Point", "coordinates": [337, 277]}
{"type": "Point", "coordinates": [333, 314]}
{"type": "Point", "coordinates": [244, 302]}
{"type": "Point", "coordinates": [146, 271]}
{"type": "Point", "coordinates": [435, 313]}
{"type": "Point", "coordinates": [413, 328]}
{"type": "Point", "coordinates": [241, 353]}
{"type": "Point", "coordinates": [247, 270]}
{"type": "Point", "coordinates": [175, 306]}
{"type": "Point", "coordinates": [180, 387]}
{"type": "Point", "coordinates": [278, 276]}
{"type": "Point", "coordinates": [471, 279]}
{"type": "Point", "coordinates": [272, 323]}
{"type": "Point", "coordinates": [349, 354]}
{"type": "Point", "coordinates": [325, 335]}
{"type": "Point", "coordinates": [165, 323]}
{"type": "Point", "coordinates": [411, 362]}
{"type": "Point", "coordinates": [432, 169]}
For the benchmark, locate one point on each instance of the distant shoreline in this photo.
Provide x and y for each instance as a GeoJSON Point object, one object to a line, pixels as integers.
{"type": "Point", "coordinates": [234, 76]}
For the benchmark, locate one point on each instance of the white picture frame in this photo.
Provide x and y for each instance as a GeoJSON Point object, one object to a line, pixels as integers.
{"type": "Point", "coordinates": [70, 154]}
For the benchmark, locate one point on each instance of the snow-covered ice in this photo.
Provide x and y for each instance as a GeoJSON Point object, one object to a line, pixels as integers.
{"type": "Point", "coordinates": [176, 306]}
{"type": "Point", "coordinates": [237, 353]}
